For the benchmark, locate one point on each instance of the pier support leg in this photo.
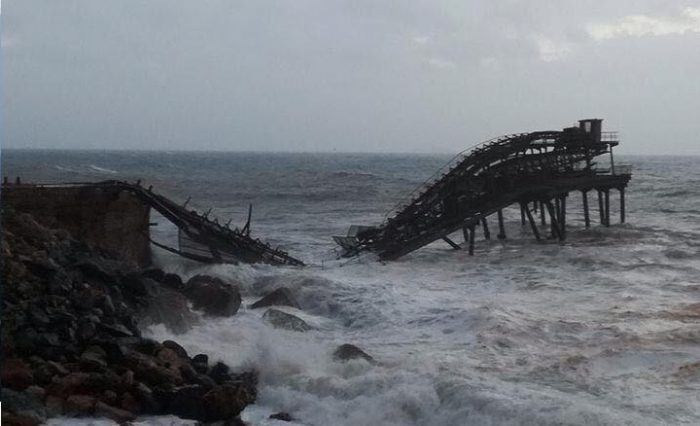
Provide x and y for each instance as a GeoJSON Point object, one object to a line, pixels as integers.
{"type": "Point", "coordinates": [485, 227]}
{"type": "Point", "coordinates": [586, 215]}
{"type": "Point", "coordinates": [523, 207]}
{"type": "Point", "coordinates": [501, 227]}
{"type": "Point", "coordinates": [562, 217]}
{"type": "Point", "coordinates": [601, 207]}
{"type": "Point", "coordinates": [543, 216]}
{"type": "Point", "coordinates": [533, 225]}
{"type": "Point", "coordinates": [472, 231]}
{"type": "Point", "coordinates": [622, 205]}
{"type": "Point", "coordinates": [554, 223]}
{"type": "Point", "coordinates": [607, 207]}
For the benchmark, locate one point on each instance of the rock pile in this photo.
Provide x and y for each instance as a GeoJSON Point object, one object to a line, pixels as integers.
{"type": "Point", "coordinates": [71, 344]}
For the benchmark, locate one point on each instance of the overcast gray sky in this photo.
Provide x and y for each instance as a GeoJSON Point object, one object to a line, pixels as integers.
{"type": "Point", "coordinates": [360, 75]}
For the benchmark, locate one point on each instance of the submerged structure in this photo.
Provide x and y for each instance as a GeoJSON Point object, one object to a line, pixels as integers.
{"type": "Point", "coordinates": [115, 215]}
{"type": "Point", "coordinates": [536, 171]}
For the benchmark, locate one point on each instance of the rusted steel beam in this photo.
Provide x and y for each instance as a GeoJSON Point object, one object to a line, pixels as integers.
{"type": "Point", "coordinates": [452, 243]}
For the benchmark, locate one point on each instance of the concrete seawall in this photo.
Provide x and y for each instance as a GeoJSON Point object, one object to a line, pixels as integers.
{"type": "Point", "coordinates": [109, 218]}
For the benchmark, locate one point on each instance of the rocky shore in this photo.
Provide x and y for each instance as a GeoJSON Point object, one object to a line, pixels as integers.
{"type": "Point", "coordinates": [71, 343]}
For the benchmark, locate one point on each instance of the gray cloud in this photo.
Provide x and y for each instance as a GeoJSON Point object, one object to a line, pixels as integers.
{"type": "Point", "coordinates": [364, 75]}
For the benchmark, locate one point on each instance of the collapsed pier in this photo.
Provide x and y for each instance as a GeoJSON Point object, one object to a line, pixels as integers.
{"type": "Point", "coordinates": [536, 170]}
{"type": "Point", "coordinates": [115, 215]}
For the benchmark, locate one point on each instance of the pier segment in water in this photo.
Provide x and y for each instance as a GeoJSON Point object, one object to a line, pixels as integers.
{"type": "Point", "coordinates": [115, 215]}
{"type": "Point", "coordinates": [536, 170]}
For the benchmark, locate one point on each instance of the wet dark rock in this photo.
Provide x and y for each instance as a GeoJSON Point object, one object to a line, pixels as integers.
{"type": "Point", "coordinates": [44, 268]}
{"type": "Point", "coordinates": [26, 405]}
{"type": "Point", "coordinates": [170, 308]}
{"type": "Point", "coordinates": [79, 405]}
{"type": "Point", "coordinates": [147, 346]}
{"type": "Point", "coordinates": [86, 331]}
{"type": "Point", "coordinates": [133, 284]}
{"type": "Point", "coordinates": [347, 352]}
{"type": "Point", "coordinates": [93, 359]}
{"type": "Point", "coordinates": [227, 401]}
{"type": "Point", "coordinates": [220, 373]}
{"type": "Point", "coordinates": [154, 274]}
{"type": "Point", "coordinates": [147, 369]}
{"type": "Point", "coordinates": [54, 405]}
{"type": "Point", "coordinates": [71, 343]}
{"type": "Point", "coordinates": [285, 417]}
{"type": "Point", "coordinates": [117, 414]}
{"type": "Point", "coordinates": [109, 397]}
{"type": "Point", "coordinates": [172, 281]}
{"type": "Point", "coordinates": [170, 358]}
{"type": "Point", "coordinates": [204, 380]}
{"type": "Point", "coordinates": [92, 269]}
{"type": "Point", "coordinates": [130, 403]}
{"type": "Point", "coordinates": [188, 373]}
{"type": "Point", "coordinates": [279, 319]}
{"type": "Point", "coordinates": [12, 419]}
{"type": "Point", "coordinates": [107, 305]}
{"type": "Point", "coordinates": [86, 298]}
{"type": "Point", "coordinates": [185, 401]}
{"type": "Point", "coordinates": [117, 330]}
{"type": "Point", "coordinates": [179, 350]}
{"type": "Point", "coordinates": [280, 297]}
{"type": "Point", "coordinates": [212, 295]}
{"type": "Point", "coordinates": [38, 316]}
{"type": "Point", "coordinates": [144, 396]}
{"type": "Point", "coordinates": [16, 374]}
{"type": "Point", "coordinates": [200, 362]}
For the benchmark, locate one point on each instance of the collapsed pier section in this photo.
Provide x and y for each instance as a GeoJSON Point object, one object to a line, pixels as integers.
{"type": "Point", "coordinates": [536, 170]}
{"type": "Point", "coordinates": [115, 215]}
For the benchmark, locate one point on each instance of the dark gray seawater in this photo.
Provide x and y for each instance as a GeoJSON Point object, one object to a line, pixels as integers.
{"type": "Point", "coordinates": [604, 329]}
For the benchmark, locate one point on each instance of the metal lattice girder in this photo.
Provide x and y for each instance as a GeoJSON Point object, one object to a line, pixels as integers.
{"type": "Point", "coordinates": [483, 180]}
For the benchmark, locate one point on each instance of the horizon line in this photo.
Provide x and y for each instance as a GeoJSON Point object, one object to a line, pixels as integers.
{"type": "Point", "coordinates": [219, 151]}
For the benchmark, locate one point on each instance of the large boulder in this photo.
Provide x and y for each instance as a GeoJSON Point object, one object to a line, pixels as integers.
{"type": "Point", "coordinates": [280, 297]}
{"type": "Point", "coordinates": [170, 308]}
{"type": "Point", "coordinates": [72, 347]}
{"type": "Point", "coordinates": [26, 407]}
{"type": "Point", "coordinates": [227, 401]}
{"type": "Point", "coordinates": [16, 374]}
{"type": "Point", "coordinates": [279, 319]}
{"type": "Point", "coordinates": [347, 352]}
{"type": "Point", "coordinates": [213, 295]}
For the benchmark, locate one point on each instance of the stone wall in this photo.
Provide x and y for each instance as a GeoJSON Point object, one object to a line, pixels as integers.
{"type": "Point", "coordinates": [109, 218]}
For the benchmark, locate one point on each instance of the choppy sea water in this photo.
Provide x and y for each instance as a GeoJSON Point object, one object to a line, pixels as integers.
{"type": "Point", "coordinates": [601, 330]}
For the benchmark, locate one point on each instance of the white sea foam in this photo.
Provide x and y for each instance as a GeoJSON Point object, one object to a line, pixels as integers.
{"type": "Point", "coordinates": [103, 170]}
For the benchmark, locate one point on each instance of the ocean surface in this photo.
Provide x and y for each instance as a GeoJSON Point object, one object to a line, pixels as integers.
{"type": "Point", "coordinates": [603, 329]}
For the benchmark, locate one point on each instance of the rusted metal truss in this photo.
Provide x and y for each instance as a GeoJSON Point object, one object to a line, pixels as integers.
{"type": "Point", "coordinates": [530, 169]}
{"type": "Point", "coordinates": [199, 237]}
